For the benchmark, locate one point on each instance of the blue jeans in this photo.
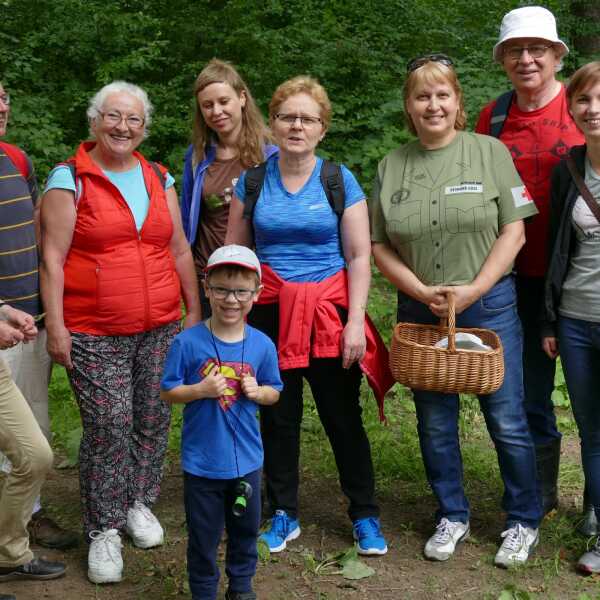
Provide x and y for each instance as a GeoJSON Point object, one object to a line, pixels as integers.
{"type": "Point", "coordinates": [538, 368]}
{"type": "Point", "coordinates": [437, 416]}
{"type": "Point", "coordinates": [579, 343]}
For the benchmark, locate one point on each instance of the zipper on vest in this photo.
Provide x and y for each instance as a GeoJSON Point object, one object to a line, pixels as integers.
{"type": "Point", "coordinates": [145, 284]}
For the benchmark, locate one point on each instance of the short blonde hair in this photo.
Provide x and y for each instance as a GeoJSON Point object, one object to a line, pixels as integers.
{"type": "Point", "coordinates": [583, 78]}
{"type": "Point", "coordinates": [435, 72]}
{"type": "Point", "coordinates": [302, 84]}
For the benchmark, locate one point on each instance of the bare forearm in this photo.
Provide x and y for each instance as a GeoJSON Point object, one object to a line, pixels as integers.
{"type": "Point", "coordinates": [359, 280]}
{"type": "Point", "coordinates": [52, 282]}
{"type": "Point", "coordinates": [266, 395]}
{"type": "Point", "coordinates": [184, 265]}
{"type": "Point", "coordinates": [182, 394]}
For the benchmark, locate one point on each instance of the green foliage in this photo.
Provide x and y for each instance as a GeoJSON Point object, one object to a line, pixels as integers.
{"type": "Point", "coordinates": [55, 55]}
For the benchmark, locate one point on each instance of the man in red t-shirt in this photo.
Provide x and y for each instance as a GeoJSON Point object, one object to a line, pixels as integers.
{"type": "Point", "coordinates": [538, 130]}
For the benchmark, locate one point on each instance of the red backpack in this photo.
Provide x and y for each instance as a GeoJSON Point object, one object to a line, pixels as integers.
{"type": "Point", "coordinates": [17, 157]}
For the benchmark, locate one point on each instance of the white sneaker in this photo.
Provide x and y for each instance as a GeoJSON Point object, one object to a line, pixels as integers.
{"type": "Point", "coordinates": [518, 543]}
{"type": "Point", "coordinates": [105, 564]}
{"type": "Point", "coordinates": [143, 527]}
{"type": "Point", "coordinates": [442, 544]}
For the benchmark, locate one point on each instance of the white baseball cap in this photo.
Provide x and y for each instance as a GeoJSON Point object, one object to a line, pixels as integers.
{"type": "Point", "coordinates": [234, 255]}
{"type": "Point", "coordinates": [528, 22]}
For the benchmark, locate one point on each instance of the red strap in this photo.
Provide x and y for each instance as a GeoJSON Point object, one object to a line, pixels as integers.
{"type": "Point", "coordinates": [17, 157]}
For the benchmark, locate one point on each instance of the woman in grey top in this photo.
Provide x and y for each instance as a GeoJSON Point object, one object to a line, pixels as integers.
{"type": "Point", "coordinates": [572, 296]}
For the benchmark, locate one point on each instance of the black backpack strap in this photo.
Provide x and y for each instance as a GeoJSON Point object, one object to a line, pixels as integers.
{"type": "Point", "coordinates": [333, 184]}
{"type": "Point", "coordinates": [255, 177]}
{"type": "Point", "coordinates": [500, 112]}
{"type": "Point", "coordinates": [161, 176]}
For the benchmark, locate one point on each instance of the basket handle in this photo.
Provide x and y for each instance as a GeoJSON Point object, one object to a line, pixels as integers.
{"type": "Point", "coordinates": [450, 322]}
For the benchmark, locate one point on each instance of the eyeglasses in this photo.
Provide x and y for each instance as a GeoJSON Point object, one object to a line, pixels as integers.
{"type": "Point", "coordinates": [5, 99]}
{"type": "Point", "coordinates": [536, 51]}
{"type": "Point", "coordinates": [304, 121]}
{"type": "Point", "coordinates": [240, 294]}
{"type": "Point", "coordinates": [419, 61]}
{"type": "Point", "coordinates": [114, 118]}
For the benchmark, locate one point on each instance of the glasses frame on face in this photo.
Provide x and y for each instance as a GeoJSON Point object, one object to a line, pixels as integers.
{"type": "Point", "coordinates": [419, 61]}
{"type": "Point", "coordinates": [110, 118]}
{"type": "Point", "coordinates": [305, 120]}
{"type": "Point", "coordinates": [5, 99]}
{"type": "Point", "coordinates": [240, 294]}
{"type": "Point", "coordinates": [514, 53]}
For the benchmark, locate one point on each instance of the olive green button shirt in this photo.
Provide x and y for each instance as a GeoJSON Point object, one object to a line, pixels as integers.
{"type": "Point", "coordinates": [442, 209]}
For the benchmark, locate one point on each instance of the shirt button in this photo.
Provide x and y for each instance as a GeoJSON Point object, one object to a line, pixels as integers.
{"type": "Point", "coordinates": [438, 266]}
{"type": "Point", "coordinates": [437, 244]}
{"type": "Point", "coordinates": [434, 202]}
{"type": "Point", "coordinates": [434, 222]}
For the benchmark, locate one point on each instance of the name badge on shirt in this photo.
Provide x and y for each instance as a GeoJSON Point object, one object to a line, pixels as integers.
{"type": "Point", "coordinates": [465, 188]}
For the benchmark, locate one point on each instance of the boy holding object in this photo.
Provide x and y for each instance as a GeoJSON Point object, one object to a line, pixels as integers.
{"type": "Point", "coordinates": [222, 369]}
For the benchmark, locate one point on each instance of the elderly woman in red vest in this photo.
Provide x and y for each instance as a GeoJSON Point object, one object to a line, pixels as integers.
{"type": "Point", "coordinates": [115, 265]}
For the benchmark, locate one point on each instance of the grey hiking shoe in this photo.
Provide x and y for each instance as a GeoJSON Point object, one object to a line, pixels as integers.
{"type": "Point", "coordinates": [518, 544]}
{"type": "Point", "coordinates": [441, 545]}
{"type": "Point", "coordinates": [589, 562]}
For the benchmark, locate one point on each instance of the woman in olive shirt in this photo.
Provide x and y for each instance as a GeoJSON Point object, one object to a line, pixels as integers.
{"type": "Point", "coordinates": [447, 216]}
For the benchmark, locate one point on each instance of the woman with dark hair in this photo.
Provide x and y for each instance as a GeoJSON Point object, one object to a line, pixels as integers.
{"type": "Point", "coordinates": [229, 135]}
{"type": "Point", "coordinates": [447, 216]}
{"type": "Point", "coordinates": [572, 298]}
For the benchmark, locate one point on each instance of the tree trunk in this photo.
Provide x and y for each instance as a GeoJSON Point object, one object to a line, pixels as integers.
{"type": "Point", "coordinates": [587, 38]}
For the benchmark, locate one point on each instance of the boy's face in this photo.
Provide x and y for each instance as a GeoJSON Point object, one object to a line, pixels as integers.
{"type": "Point", "coordinates": [231, 296]}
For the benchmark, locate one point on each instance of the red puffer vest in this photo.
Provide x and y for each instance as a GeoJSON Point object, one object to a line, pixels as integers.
{"type": "Point", "coordinates": [119, 281]}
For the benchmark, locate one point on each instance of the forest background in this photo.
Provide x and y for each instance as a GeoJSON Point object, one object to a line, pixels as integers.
{"type": "Point", "coordinates": [55, 54]}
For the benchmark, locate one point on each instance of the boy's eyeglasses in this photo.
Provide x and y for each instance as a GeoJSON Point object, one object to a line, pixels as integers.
{"type": "Point", "coordinates": [240, 294]}
{"type": "Point", "coordinates": [419, 61]}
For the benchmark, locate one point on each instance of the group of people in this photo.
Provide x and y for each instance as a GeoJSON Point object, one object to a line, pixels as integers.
{"type": "Point", "coordinates": [475, 215]}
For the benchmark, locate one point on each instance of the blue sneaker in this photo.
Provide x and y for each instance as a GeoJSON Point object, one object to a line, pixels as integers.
{"type": "Point", "coordinates": [367, 532]}
{"type": "Point", "coordinates": [283, 529]}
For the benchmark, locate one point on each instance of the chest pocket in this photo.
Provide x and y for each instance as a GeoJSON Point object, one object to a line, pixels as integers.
{"type": "Point", "coordinates": [404, 220]}
{"type": "Point", "coordinates": [469, 212]}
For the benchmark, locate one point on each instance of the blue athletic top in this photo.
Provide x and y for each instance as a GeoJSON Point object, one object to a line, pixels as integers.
{"type": "Point", "coordinates": [297, 234]}
{"type": "Point", "coordinates": [220, 438]}
{"type": "Point", "coordinates": [129, 183]}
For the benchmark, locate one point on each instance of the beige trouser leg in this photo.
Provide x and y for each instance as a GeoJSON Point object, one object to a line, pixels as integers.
{"type": "Point", "coordinates": [23, 442]}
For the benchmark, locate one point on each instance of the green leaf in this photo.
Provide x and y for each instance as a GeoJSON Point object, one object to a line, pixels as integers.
{"type": "Point", "coordinates": [264, 554]}
{"type": "Point", "coordinates": [356, 569]}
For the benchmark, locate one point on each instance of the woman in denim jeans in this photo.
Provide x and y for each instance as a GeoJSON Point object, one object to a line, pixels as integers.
{"type": "Point", "coordinates": [447, 216]}
{"type": "Point", "coordinates": [572, 306]}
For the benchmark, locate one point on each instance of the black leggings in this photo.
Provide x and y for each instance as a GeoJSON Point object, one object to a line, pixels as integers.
{"type": "Point", "coordinates": [336, 392]}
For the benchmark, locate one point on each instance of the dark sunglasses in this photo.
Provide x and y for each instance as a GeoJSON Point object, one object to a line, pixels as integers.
{"type": "Point", "coordinates": [419, 61]}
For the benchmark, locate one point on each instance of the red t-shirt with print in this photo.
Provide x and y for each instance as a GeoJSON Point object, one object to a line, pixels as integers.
{"type": "Point", "coordinates": [537, 141]}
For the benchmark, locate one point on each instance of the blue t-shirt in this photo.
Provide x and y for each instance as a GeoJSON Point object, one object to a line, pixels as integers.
{"type": "Point", "coordinates": [129, 183]}
{"type": "Point", "coordinates": [297, 234]}
{"type": "Point", "coordinates": [220, 438]}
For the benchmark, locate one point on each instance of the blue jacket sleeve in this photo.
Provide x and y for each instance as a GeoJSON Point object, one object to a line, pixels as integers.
{"type": "Point", "coordinates": [187, 187]}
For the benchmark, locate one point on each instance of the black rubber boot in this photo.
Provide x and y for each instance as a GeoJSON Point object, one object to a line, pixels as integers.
{"type": "Point", "coordinates": [589, 524]}
{"type": "Point", "coordinates": [547, 459]}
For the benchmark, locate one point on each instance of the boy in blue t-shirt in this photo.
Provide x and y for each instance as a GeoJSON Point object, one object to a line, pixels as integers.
{"type": "Point", "coordinates": [222, 369]}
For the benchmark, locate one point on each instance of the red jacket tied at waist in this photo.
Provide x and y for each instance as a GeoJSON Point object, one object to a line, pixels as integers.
{"type": "Point", "coordinates": [309, 325]}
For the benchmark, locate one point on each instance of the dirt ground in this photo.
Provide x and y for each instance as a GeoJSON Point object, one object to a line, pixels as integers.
{"type": "Point", "coordinates": [402, 574]}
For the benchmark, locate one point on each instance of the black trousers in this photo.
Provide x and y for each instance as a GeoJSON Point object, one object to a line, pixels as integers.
{"type": "Point", "coordinates": [336, 392]}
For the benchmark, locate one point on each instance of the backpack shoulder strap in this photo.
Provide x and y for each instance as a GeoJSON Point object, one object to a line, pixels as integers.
{"type": "Point", "coordinates": [255, 177]}
{"type": "Point", "coordinates": [333, 183]}
{"type": "Point", "coordinates": [159, 173]}
{"type": "Point", "coordinates": [18, 158]}
{"type": "Point", "coordinates": [500, 112]}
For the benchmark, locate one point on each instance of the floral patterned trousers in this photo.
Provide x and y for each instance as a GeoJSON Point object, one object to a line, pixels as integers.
{"type": "Point", "coordinates": [116, 380]}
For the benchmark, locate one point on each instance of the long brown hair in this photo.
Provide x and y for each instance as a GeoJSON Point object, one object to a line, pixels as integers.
{"type": "Point", "coordinates": [254, 133]}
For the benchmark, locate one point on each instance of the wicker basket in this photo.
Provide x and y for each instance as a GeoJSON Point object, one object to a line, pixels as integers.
{"type": "Point", "coordinates": [417, 364]}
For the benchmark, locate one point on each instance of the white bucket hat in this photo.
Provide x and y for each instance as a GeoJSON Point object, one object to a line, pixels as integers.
{"type": "Point", "coordinates": [528, 22]}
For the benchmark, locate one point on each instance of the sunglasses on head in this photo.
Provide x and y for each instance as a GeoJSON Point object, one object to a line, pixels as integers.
{"type": "Point", "coordinates": [419, 61]}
